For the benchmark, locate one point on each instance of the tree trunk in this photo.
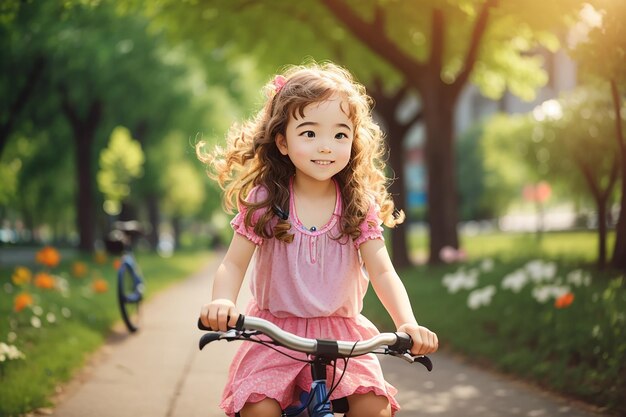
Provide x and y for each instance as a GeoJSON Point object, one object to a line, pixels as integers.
{"type": "Point", "coordinates": [386, 107]}
{"type": "Point", "coordinates": [601, 197]}
{"type": "Point", "coordinates": [23, 97]}
{"type": "Point", "coordinates": [619, 252]}
{"type": "Point", "coordinates": [441, 171]}
{"type": "Point", "coordinates": [176, 230]}
{"type": "Point", "coordinates": [152, 201]}
{"type": "Point", "coordinates": [601, 207]}
{"type": "Point", "coordinates": [84, 130]}
{"type": "Point", "coordinates": [399, 246]}
{"type": "Point", "coordinates": [83, 139]}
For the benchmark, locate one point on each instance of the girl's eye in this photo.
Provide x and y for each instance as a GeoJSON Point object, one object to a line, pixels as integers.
{"type": "Point", "coordinates": [308, 134]}
{"type": "Point", "coordinates": [341, 136]}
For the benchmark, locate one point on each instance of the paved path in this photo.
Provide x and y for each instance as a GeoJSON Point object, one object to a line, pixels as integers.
{"type": "Point", "coordinates": [159, 372]}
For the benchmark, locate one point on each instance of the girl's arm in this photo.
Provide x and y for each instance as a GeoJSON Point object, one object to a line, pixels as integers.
{"type": "Point", "coordinates": [221, 311]}
{"type": "Point", "coordinates": [392, 294]}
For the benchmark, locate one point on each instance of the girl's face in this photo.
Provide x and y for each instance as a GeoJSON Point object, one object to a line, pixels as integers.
{"type": "Point", "coordinates": [319, 144]}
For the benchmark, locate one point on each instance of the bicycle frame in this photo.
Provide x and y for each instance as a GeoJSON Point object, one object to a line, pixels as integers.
{"type": "Point", "coordinates": [316, 401]}
{"type": "Point", "coordinates": [129, 296]}
{"type": "Point", "coordinates": [129, 264]}
{"type": "Point", "coordinates": [120, 242]}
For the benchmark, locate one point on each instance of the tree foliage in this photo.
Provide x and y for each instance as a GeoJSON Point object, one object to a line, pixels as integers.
{"type": "Point", "coordinates": [73, 71]}
{"type": "Point", "coordinates": [434, 47]}
{"type": "Point", "coordinates": [603, 56]}
{"type": "Point", "coordinates": [120, 162]}
{"type": "Point", "coordinates": [573, 142]}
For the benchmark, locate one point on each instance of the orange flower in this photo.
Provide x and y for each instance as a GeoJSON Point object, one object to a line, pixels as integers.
{"type": "Point", "coordinates": [21, 275]}
{"type": "Point", "coordinates": [22, 301]}
{"type": "Point", "coordinates": [564, 301]}
{"type": "Point", "coordinates": [100, 285]}
{"type": "Point", "coordinates": [117, 263]}
{"type": "Point", "coordinates": [79, 269]}
{"type": "Point", "coordinates": [100, 257]}
{"type": "Point", "coordinates": [48, 256]}
{"type": "Point", "coordinates": [44, 280]}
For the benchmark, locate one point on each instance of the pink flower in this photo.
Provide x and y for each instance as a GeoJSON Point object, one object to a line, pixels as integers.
{"type": "Point", "coordinates": [279, 82]}
{"type": "Point", "coordinates": [448, 254]}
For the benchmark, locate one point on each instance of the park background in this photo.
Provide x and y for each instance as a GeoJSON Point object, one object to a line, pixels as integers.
{"type": "Point", "coordinates": [503, 120]}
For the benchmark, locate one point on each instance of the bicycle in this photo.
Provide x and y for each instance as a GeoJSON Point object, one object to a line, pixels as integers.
{"type": "Point", "coordinates": [130, 283]}
{"type": "Point", "coordinates": [321, 352]}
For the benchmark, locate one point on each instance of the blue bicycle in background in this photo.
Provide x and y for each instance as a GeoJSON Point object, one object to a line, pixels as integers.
{"type": "Point", "coordinates": [316, 402]}
{"type": "Point", "coordinates": [130, 283]}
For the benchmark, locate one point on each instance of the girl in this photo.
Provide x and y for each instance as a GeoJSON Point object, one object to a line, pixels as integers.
{"type": "Point", "coordinates": [308, 179]}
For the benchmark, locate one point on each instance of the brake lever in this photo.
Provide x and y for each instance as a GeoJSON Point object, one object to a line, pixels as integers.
{"type": "Point", "coordinates": [424, 360]}
{"type": "Point", "coordinates": [229, 336]}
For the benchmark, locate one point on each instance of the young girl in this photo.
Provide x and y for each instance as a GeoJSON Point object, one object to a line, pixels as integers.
{"type": "Point", "coordinates": [308, 179]}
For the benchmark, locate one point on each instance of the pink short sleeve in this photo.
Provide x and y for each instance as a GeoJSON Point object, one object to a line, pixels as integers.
{"type": "Point", "coordinates": [371, 227]}
{"type": "Point", "coordinates": [238, 222]}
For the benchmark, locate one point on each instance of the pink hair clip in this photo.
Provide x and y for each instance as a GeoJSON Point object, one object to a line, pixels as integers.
{"type": "Point", "coordinates": [279, 82]}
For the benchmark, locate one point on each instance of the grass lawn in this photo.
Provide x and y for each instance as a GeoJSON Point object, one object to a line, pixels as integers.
{"type": "Point", "coordinates": [67, 322]}
{"type": "Point", "coordinates": [541, 311]}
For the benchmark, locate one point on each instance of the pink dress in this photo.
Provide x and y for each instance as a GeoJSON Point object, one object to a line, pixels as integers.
{"type": "Point", "coordinates": [313, 287]}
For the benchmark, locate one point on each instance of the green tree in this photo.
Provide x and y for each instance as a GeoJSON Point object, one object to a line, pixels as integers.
{"type": "Point", "coordinates": [434, 48]}
{"type": "Point", "coordinates": [120, 162]}
{"type": "Point", "coordinates": [438, 48]}
{"type": "Point", "coordinates": [471, 176]}
{"type": "Point", "coordinates": [603, 56]}
{"type": "Point", "coordinates": [99, 69]}
{"type": "Point", "coordinates": [502, 147]}
{"type": "Point", "coordinates": [572, 143]}
{"type": "Point", "coordinates": [35, 192]}
{"type": "Point", "coordinates": [180, 183]}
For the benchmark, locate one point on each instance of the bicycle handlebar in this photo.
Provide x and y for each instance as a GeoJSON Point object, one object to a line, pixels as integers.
{"type": "Point", "coordinates": [396, 344]}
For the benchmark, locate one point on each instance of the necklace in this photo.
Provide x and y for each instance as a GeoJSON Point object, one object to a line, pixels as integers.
{"type": "Point", "coordinates": [310, 229]}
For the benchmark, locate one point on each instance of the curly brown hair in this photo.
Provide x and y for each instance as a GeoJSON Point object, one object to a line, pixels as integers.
{"type": "Point", "coordinates": [251, 157]}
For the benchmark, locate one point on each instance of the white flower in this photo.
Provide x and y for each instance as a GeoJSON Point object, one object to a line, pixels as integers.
{"type": "Point", "coordinates": [63, 286]}
{"type": "Point", "coordinates": [460, 280]}
{"type": "Point", "coordinates": [481, 297]}
{"type": "Point", "coordinates": [51, 317]}
{"type": "Point", "coordinates": [596, 332]}
{"type": "Point", "coordinates": [487, 265]}
{"type": "Point", "coordinates": [66, 312]}
{"type": "Point", "coordinates": [578, 278]}
{"type": "Point", "coordinates": [545, 292]}
{"type": "Point", "coordinates": [541, 294]}
{"type": "Point", "coordinates": [540, 271]}
{"type": "Point", "coordinates": [12, 337]}
{"type": "Point", "coordinates": [37, 310]}
{"type": "Point", "coordinates": [515, 281]}
{"type": "Point", "coordinates": [35, 322]}
{"type": "Point", "coordinates": [9, 352]}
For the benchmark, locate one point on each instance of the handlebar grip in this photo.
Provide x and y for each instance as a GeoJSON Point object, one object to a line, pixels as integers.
{"type": "Point", "coordinates": [238, 326]}
{"type": "Point", "coordinates": [202, 326]}
{"type": "Point", "coordinates": [403, 343]}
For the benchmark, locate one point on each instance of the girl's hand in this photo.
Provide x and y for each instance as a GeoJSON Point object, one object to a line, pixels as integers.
{"type": "Point", "coordinates": [219, 314]}
{"type": "Point", "coordinates": [424, 341]}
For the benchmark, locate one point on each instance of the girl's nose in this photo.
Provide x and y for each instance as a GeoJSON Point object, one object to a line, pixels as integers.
{"type": "Point", "coordinates": [324, 149]}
